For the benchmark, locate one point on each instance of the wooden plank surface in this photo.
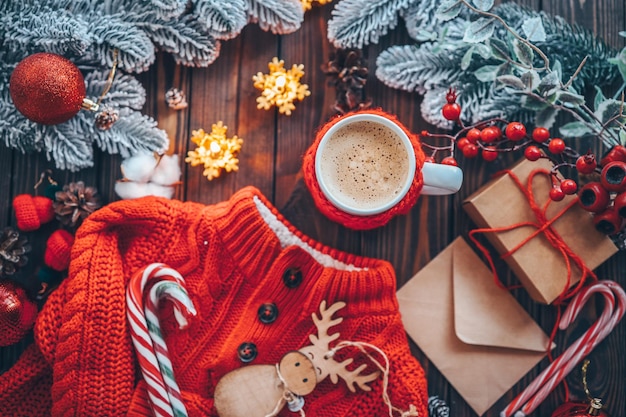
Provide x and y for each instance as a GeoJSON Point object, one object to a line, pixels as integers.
{"type": "Point", "coordinates": [271, 159]}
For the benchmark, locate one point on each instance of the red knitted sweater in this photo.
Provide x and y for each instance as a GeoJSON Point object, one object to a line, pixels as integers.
{"type": "Point", "coordinates": [234, 257]}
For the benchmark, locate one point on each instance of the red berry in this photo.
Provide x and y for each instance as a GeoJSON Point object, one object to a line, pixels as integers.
{"type": "Point", "coordinates": [491, 134]}
{"type": "Point", "coordinates": [449, 160]}
{"type": "Point", "coordinates": [556, 193]}
{"type": "Point", "coordinates": [451, 96]}
{"type": "Point", "coordinates": [451, 111]}
{"type": "Point", "coordinates": [541, 134]}
{"type": "Point", "coordinates": [617, 153]}
{"type": "Point", "coordinates": [586, 164]}
{"type": "Point", "coordinates": [473, 135]}
{"type": "Point", "coordinates": [470, 150]}
{"type": "Point", "coordinates": [569, 187]}
{"type": "Point", "coordinates": [489, 153]}
{"type": "Point", "coordinates": [532, 153]}
{"type": "Point", "coordinates": [424, 133]}
{"type": "Point", "coordinates": [515, 131]}
{"type": "Point", "coordinates": [556, 146]}
{"type": "Point", "coordinates": [430, 159]}
{"type": "Point", "coordinates": [462, 143]}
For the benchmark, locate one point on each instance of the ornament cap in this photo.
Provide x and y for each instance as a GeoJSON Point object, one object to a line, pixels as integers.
{"type": "Point", "coordinates": [595, 405]}
{"type": "Point", "coordinates": [89, 105]}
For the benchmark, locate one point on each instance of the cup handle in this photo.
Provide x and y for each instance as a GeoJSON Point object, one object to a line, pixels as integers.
{"type": "Point", "coordinates": [440, 179]}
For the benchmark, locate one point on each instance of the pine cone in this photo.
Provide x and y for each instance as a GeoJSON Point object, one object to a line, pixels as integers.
{"type": "Point", "coordinates": [12, 251]}
{"type": "Point", "coordinates": [176, 99]}
{"type": "Point", "coordinates": [348, 73]}
{"type": "Point", "coordinates": [106, 118]}
{"type": "Point", "coordinates": [74, 203]}
{"type": "Point", "coordinates": [437, 407]}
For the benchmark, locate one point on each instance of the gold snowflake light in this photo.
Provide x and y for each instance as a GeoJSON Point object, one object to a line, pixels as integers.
{"type": "Point", "coordinates": [307, 4]}
{"type": "Point", "coordinates": [280, 87]}
{"type": "Point", "coordinates": [215, 151]}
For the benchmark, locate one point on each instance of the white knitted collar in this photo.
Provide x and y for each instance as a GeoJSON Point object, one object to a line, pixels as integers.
{"type": "Point", "coordinates": [287, 238]}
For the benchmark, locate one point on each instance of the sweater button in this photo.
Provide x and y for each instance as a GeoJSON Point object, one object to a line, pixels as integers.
{"type": "Point", "coordinates": [247, 352]}
{"type": "Point", "coordinates": [268, 312]}
{"type": "Point", "coordinates": [292, 277]}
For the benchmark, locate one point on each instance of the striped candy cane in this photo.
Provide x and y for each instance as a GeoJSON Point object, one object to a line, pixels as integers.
{"type": "Point", "coordinates": [152, 354]}
{"type": "Point", "coordinates": [541, 387]}
{"type": "Point", "coordinates": [603, 332]}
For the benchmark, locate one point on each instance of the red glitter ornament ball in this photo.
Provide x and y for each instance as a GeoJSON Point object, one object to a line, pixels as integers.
{"type": "Point", "coordinates": [580, 409]}
{"type": "Point", "coordinates": [17, 313]}
{"type": "Point", "coordinates": [47, 88]}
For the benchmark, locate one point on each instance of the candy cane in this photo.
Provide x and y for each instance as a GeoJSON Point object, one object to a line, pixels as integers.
{"type": "Point", "coordinates": [585, 340]}
{"type": "Point", "coordinates": [152, 354]}
{"type": "Point", "coordinates": [603, 331]}
{"type": "Point", "coordinates": [536, 392]}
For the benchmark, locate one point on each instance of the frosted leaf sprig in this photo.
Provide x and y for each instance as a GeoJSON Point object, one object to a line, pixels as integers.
{"type": "Point", "coordinates": [280, 87]}
{"type": "Point", "coordinates": [215, 151]}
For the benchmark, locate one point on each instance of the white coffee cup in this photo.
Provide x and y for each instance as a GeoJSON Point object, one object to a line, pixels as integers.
{"type": "Point", "coordinates": [365, 164]}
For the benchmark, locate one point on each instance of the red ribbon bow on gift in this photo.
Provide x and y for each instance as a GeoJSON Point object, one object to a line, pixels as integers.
{"type": "Point", "coordinates": [543, 224]}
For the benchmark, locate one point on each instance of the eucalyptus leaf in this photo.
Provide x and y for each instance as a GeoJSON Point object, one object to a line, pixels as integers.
{"type": "Point", "coordinates": [608, 109]}
{"type": "Point", "coordinates": [534, 104]}
{"type": "Point", "coordinates": [599, 98]}
{"type": "Point", "coordinates": [558, 69]}
{"type": "Point", "coordinates": [504, 69]}
{"type": "Point", "coordinates": [423, 35]}
{"type": "Point", "coordinates": [534, 30]}
{"type": "Point", "coordinates": [531, 79]}
{"type": "Point", "coordinates": [511, 81]}
{"type": "Point", "coordinates": [483, 50]}
{"type": "Point", "coordinates": [448, 10]}
{"type": "Point", "coordinates": [484, 5]}
{"type": "Point", "coordinates": [523, 52]}
{"type": "Point", "coordinates": [499, 50]}
{"type": "Point", "coordinates": [479, 30]}
{"type": "Point", "coordinates": [487, 73]}
{"type": "Point", "coordinates": [467, 58]}
{"type": "Point", "coordinates": [570, 99]}
{"type": "Point", "coordinates": [620, 61]}
{"type": "Point", "coordinates": [546, 117]}
{"type": "Point", "coordinates": [575, 130]}
{"type": "Point", "coordinates": [548, 83]}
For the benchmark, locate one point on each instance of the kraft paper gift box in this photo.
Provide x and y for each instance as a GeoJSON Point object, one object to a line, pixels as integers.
{"type": "Point", "coordinates": [540, 267]}
{"type": "Point", "coordinates": [475, 333]}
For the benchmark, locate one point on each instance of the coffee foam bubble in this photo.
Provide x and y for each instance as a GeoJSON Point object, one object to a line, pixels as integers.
{"type": "Point", "coordinates": [364, 165]}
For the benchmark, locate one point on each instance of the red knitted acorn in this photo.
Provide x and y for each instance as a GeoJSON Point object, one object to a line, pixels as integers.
{"type": "Point", "coordinates": [58, 247]}
{"type": "Point", "coordinates": [17, 313]}
{"type": "Point", "coordinates": [32, 211]}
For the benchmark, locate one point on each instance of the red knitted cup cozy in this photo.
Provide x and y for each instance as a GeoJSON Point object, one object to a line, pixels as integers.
{"type": "Point", "coordinates": [31, 212]}
{"type": "Point", "coordinates": [354, 221]}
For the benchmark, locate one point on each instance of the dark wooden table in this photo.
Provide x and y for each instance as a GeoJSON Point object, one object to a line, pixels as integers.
{"type": "Point", "coordinates": [271, 161]}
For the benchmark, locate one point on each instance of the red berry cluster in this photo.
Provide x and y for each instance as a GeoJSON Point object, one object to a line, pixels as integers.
{"type": "Point", "coordinates": [605, 198]}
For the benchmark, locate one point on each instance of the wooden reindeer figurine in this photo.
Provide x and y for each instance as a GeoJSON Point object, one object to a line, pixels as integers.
{"type": "Point", "coordinates": [263, 390]}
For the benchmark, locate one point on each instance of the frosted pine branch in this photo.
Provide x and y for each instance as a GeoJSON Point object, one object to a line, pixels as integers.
{"type": "Point", "coordinates": [414, 68]}
{"type": "Point", "coordinates": [277, 16]}
{"type": "Point", "coordinates": [223, 19]}
{"type": "Point", "coordinates": [355, 23]}
{"type": "Point", "coordinates": [131, 134]}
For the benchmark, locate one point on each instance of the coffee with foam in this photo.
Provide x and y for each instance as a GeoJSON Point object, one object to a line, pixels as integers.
{"type": "Point", "coordinates": [364, 165]}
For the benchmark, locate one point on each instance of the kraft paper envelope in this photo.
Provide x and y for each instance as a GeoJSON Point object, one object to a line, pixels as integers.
{"type": "Point", "coordinates": [475, 333]}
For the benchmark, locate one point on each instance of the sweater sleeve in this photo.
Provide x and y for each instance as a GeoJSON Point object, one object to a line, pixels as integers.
{"type": "Point", "coordinates": [24, 389]}
{"type": "Point", "coordinates": [91, 354]}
